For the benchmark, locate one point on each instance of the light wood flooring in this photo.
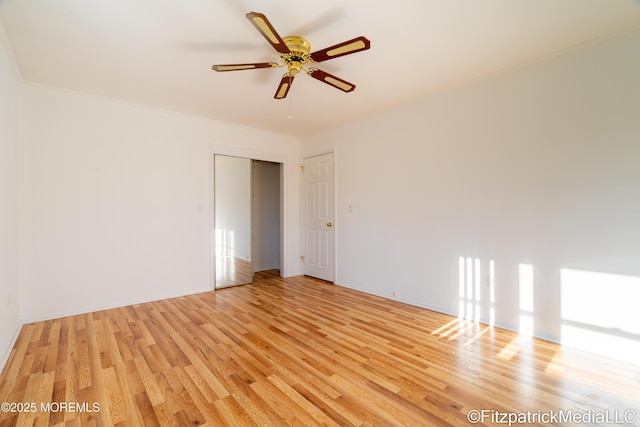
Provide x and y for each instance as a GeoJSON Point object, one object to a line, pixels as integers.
{"type": "Point", "coordinates": [300, 352]}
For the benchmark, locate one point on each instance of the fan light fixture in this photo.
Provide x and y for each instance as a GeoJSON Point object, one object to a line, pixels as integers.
{"type": "Point", "coordinates": [295, 53]}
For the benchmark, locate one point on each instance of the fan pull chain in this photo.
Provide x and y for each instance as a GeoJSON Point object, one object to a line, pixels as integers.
{"type": "Point", "coordinates": [290, 96]}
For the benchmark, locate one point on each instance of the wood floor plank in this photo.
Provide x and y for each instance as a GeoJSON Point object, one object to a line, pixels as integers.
{"type": "Point", "coordinates": [298, 352]}
{"type": "Point", "coordinates": [183, 406]}
{"type": "Point", "coordinates": [297, 399]}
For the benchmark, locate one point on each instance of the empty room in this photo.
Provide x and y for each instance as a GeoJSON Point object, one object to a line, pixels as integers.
{"type": "Point", "coordinates": [339, 213]}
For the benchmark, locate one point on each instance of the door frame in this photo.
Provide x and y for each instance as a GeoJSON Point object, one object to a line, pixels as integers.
{"type": "Point", "coordinates": [250, 154]}
{"type": "Point", "coordinates": [334, 153]}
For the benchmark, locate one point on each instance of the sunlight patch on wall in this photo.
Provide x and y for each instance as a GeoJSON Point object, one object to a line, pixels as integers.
{"type": "Point", "coordinates": [601, 314]}
{"type": "Point", "coordinates": [469, 288]}
{"type": "Point", "coordinates": [525, 291]}
{"type": "Point", "coordinates": [492, 293]}
{"type": "Point", "coordinates": [470, 300]}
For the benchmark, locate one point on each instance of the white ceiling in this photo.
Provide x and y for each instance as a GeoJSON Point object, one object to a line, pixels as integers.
{"type": "Point", "coordinates": [160, 52]}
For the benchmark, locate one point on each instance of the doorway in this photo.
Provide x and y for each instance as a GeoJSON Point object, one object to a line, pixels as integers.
{"type": "Point", "coordinates": [266, 216]}
{"type": "Point", "coordinates": [246, 219]}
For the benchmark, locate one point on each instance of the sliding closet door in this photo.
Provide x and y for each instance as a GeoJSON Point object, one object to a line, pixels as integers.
{"type": "Point", "coordinates": [232, 221]}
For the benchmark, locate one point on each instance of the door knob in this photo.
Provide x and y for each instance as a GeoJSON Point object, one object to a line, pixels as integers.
{"type": "Point", "coordinates": [329, 224]}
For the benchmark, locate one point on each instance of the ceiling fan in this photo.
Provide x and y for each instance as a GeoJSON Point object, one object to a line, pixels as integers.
{"type": "Point", "coordinates": [295, 52]}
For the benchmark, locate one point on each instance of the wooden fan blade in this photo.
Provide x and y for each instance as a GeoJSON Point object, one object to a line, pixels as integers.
{"type": "Point", "coordinates": [268, 32]}
{"type": "Point", "coordinates": [334, 81]}
{"type": "Point", "coordinates": [345, 48]}
{"type": "Point", "coordinates": [284, 86]}
{"type": "Point", "coordinates": [238, 67]}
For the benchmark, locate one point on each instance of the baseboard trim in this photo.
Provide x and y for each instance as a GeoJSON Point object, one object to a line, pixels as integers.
{"type": "Point", "coordinates": [12, 343]}
{"type": "Point", "coordinates": [416, 303]}
{"type": "Point", "coordinates": [106, 307]}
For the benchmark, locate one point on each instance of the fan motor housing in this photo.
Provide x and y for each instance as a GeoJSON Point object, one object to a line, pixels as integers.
{"type": "Point", "coordinates": [300, 49]}
{"type": "Point", "coordinates": [297, 44]}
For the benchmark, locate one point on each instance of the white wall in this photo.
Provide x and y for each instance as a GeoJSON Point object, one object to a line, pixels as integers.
{"type": "Point", "coordinates": [9, 210]}
{"type": "Point", "coordinates": [540, 167]}
{"type": "Point", "coordinates": [116, 203]}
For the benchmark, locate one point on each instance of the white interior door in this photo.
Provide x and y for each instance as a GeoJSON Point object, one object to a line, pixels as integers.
{"type": "Point", "coordinates": [319, 222]}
